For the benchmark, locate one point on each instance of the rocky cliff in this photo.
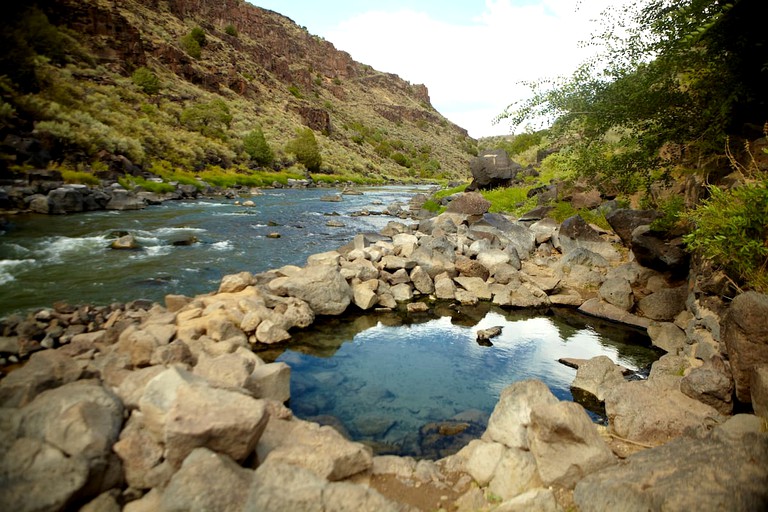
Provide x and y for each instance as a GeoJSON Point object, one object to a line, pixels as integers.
{"type": "Point", "coordinates": [270, 73]}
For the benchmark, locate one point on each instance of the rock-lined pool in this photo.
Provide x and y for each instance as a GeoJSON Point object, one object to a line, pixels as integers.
{"type": "Point", "coordinates": [423, 386]}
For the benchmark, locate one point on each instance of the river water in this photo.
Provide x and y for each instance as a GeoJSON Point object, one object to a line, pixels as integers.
{"type": "Point", "coordinates": [46, 258]}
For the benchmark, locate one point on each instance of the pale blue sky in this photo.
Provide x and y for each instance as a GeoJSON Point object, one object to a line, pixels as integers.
{"type": "Point", "coordinates": [471, 54]}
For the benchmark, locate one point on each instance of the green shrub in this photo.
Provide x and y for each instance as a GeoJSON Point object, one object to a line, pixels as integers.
{"type": "Point", "coordinates": [401, 160]}
{"type": "Point", "coordinates": [255, 144]}
{"type": "Point", "coordinates": [146, 80]}
{"type": "Point", "coordinates": [731, 230]}
{"type": "Point", "coordinates": [191, 46]}
{"type": "Point", "coordinates": [512, 200]}
{"type": "Point", "coordinates": [230, 30]}
{"type": "Point", "coordinates": [84, 178]}
{"type": "Point", "coordinates": [198, 34]}
{"type": "Point", "coordinates": [304, 147]}
{"type": "Point", "coordinates": [210, 118]}
{"type": "Point", "coordinates": [671, 210]}
{"type": "Point", "coordinates": [295, 91]}
{"type": "Point", "coordinates": [131, 182]}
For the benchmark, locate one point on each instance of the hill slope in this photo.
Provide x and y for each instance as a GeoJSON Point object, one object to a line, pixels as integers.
{"type": "Point", "coordinates": [180, 83]}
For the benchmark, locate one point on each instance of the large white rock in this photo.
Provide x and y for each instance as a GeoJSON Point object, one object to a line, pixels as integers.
{"type": "Point", "coordinates": [509, 421]}
{"type": "Point", "coordinates": [321, 286]}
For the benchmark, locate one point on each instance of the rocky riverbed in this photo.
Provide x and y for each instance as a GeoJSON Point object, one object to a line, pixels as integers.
{"type": "Point", "coordinates": [167, 407]}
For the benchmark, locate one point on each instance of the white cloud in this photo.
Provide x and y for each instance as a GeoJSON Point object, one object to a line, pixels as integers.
{"type": "Point", "coordinates": [473, 70]}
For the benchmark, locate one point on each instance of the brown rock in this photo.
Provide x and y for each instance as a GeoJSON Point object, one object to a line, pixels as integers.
{"type": "Point", "coordinates": [745, 333]}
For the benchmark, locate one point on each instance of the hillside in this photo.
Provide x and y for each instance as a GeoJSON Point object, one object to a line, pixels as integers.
{"type": "Point", "coordinates": [179, 84]}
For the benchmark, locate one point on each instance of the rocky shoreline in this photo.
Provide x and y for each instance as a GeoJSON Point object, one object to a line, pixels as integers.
{"type": "Point", "coordinates": [167, 407]}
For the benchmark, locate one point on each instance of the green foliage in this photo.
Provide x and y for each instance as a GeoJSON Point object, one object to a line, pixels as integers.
{"type": "Point", "coordinates": [295, 91]}
{"type": "Point", "coordinates": [131, 182]}
{"type": "Point", "coordinates": [146, 80]}
{"type": "Point", "coordinates": [193, 42]}
{"type": "Point", "coordinates": [731, 230]}
{"type": "Point", "coordinates": [255, 144]}
{"type": "Point", "coordinates": [671, 209]}
{"type": "Point", "coordinates": [672, 71]}
{"type": "Point", "coordinates": [82, 177]}
{"type": "Point", "coordinates": [304, 146]}
{"type": "Point", "coordinates": [512, 200]}
{"type": "Point", "coordinates": [198, 34]}
{"type": "Point", "coordinates": [210, 119]}
{"type": "Point", "coordinates": [231, 30]}
{"type": "Point", "coordinates": [401, 160]}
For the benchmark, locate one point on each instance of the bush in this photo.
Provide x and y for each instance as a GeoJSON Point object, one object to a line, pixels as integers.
{"type": "Point", "coordinates": [731, 229]}
{"type": "Point", "coordinates": [191, 46]}
{"type": "Point", "coordinates": [255, 144]}
{"type": "Point", "coordinates": [146, 80]}
{"type": "Point", "coordinates": [305, 147]}
{"type": "Point", "coordinates": [210, 118]}
{"type": "Point", "coordinates": [193, 42]}
{"type": "Point", "coordinates": [230, 30]}
{"type": "Point", "coordinates": [295, 91]}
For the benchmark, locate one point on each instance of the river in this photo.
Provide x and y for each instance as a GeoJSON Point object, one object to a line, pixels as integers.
{"type": "Point", "coordinates": [44, 259]}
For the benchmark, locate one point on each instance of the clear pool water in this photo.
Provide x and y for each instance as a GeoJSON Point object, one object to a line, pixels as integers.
{"type": "Point", "coordinates": [393, 383]}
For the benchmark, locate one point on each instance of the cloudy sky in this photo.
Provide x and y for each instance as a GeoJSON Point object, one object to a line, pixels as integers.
{"type": "Point", "coordinates": [471, 54]}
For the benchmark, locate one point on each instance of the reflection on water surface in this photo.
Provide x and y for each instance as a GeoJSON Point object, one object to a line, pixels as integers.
{"type": "Point", "coordinates": [401, 386]}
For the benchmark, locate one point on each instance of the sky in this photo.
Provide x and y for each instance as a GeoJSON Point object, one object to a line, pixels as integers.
{"type": "Point", "coordinates": [472, 55]}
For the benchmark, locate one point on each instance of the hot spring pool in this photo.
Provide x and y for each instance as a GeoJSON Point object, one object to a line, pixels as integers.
{"type": "Point", "coordinates": [422, 386]}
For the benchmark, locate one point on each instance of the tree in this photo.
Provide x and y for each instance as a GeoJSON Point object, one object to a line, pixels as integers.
{"type": "Point", "coordinates": [305, 147]}
{"type": "Point", "coordinates": [146, 80]}
{"type": "Point", "coordinates": [210, 118]}
{"type": "Point", "coordinates": [683, 71]}
{"type": "Point", "coordinates": [255, 144]}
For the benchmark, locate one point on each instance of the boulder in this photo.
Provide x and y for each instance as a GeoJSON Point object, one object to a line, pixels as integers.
{"type": "Point", "coordinates": [597, 376]}
{"type": "Point", "coordinates": [539, 500]}
{"type": "Point", "coordinates": [663, 305]}
{"type": "Point", "coordinates": [185, 412]}
{"type": "Point", "coordinates": [236, 282]}
{"type": "Point", "coordinates": [35, 475]}
{"type": "Point", "coordinates": [422, 281]}
{"type": "Point", "coordinates": [653, 251]}
{"type": "Point", "coordinates": [667, 336]}
{"type": "Point", "coordinates": [492, 169]}
{"type": "Point", "coordinates": [471, 268]}
{"type": "Point", "coordinates": [685, 474]}
{"type": "Point", "coordinates": [745, 333]}
{"type": "Point", "coordinates": [469, 203]}
{"type": "Point", "coordinates": [510, 418]}
{"type": "Point", "coordinates": [624, 221]}
{"type": "Point", "coordinates": [597, 308]}
{"type": "Point", "coordinates": [759, 391]}
{"type": "Point", "coordinates": [122, 199]}
{"type": "Point", "coordinates": [67, 199]}
{"type": "Point", "coordinates": [618, 292]}
{"type": "Point", "coordinates": [320, 286]}
{"type": "Point", "coordinates": [575, 233]}
{"type": "Point", "coordinates": [648, 413]}
{"type": "Point", "coordinates": [279, 486]}
{"type": "Point", "coordinates": [320, 449]}
{"type": "Point", "coordinates": [565, 444]}
{"type": "Point", "coordinates": [44, 370]}
{"type": "Point", "coordinates": [207, 481]}
{"type": "Point", "coordinates": [271, 381]}
{"type": "Point", "coordinates": [710, 384]}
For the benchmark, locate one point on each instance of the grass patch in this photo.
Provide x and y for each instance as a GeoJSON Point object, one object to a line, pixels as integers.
{"type": "Point", "coordinates": [131, 182]}
{"type": "Point", "coordinates": [510, 200]}
{"type": "Point", "coordinates": [81, 177]}
{"type": "Point", "coordinates": [563, 210]}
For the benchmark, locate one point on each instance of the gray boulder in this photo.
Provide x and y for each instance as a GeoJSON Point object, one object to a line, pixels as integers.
{"type": "Point", "coordinates": [686, 474]}
{"type": "Point", "coordinates": [321, 286]}
{"type": "Point", "coordinates": [745, 333]}
{"type": "Point", "coordinates": [653, 251]}
{"type": "Point", "coordinates": [492, 169]}
{"type": "Point", "coordinates": [207, 481]}
{"type": "Point", "coordinates": [624, 221]}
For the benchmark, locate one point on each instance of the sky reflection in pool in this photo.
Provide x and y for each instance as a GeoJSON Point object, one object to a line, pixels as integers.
{"type": "Point", "coordinates": [384, 380]}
